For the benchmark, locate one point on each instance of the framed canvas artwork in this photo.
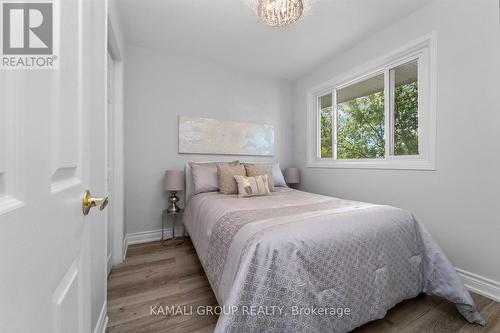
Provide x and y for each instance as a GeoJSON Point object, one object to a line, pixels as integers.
{"type": "Point", "coordinates": [221, 137]}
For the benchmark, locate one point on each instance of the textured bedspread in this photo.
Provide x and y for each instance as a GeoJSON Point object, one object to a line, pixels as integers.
{"type": "Point", "coordinates": [300, 262]}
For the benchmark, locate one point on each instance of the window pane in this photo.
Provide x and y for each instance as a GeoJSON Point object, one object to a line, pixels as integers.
{"type": "Point", "coordinates": [326, 115]}
{"type": "Point", "coordinates": [406, 109]}
{"type": "Point", "coordinates": [360, 120]}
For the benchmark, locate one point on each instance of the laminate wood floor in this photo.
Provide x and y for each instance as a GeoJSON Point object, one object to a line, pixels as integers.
{"type": "Point", "coordinates": [171, 275]}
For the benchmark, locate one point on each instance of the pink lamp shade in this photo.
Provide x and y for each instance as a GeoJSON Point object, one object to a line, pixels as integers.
{"type": "Point", "coordinates": [292, 176]}
{"type": "Point", "coordinates": [174, 180]}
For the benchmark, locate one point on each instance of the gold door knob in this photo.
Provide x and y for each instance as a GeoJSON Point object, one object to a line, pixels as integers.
{"type": "Point", "coordinates": [89, 202]}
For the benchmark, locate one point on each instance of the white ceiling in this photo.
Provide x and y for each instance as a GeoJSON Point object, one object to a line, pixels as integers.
{"type": "Point", "coordinates": [228, 31]}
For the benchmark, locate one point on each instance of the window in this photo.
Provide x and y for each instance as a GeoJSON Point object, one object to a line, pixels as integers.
{"type": "Point", "coordinates": [360, 119]}
{"type": "Point", "coordinates": [326, 114]}
{"type": "Point", "coordinates": [404, 108]}
{"type": "Point", "coordinates": [380, 118]}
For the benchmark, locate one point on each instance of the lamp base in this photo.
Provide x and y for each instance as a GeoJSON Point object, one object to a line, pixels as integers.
{"type": "Point", "coordinates": [173, 199]}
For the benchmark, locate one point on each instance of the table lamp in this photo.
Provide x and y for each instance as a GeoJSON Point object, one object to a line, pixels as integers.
{"type": "Point", "coordinates": [174, 182]}
{"type": "Point", "coordinates": [292, 176]}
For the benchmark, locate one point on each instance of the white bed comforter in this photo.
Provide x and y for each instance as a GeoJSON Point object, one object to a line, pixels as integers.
{"type": "Point", "coordinates": [301, 262]}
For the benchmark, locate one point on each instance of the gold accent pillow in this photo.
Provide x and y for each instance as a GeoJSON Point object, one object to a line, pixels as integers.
{"type": "Point", "coordinates": [259, 170]}
{"type": "Point", "coordinates": [253, 186]}
{"type": "Point", "coordinates": [226, 173]}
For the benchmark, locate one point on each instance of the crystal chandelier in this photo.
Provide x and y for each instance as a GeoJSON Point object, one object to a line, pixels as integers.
{"type": "Point", "coordinates": [279, 13]}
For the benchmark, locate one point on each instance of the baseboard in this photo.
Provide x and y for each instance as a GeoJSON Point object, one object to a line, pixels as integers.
{"type": "Point", "coordinates": [480, 284]}
{"type": "Point", "coordinates": [152, 235]}
{"type": "Point", "coordinates": [144, 236]}
{"type": "Point", "coordinates": [125, 246]}
{"type": "Point", "coordinates": [102, 321]}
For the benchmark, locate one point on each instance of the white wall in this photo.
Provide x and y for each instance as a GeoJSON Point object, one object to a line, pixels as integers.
{"type": "Point", "coordinates": [460, 202]}
{"type": "Point", "coordinates": [158, 88]}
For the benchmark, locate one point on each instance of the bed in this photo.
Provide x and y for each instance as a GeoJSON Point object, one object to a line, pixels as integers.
{"type": "Point", "coordinates": [302, 262]}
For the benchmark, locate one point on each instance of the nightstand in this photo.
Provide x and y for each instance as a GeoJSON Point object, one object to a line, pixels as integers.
{"type": "Point", "coordinates": [174, 217]}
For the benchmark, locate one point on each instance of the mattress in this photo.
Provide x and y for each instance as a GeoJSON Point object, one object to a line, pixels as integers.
{"type": "Point", "coordinates": [301, 262]}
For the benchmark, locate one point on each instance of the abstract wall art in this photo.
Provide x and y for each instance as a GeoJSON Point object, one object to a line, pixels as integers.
{"type": "Point", "coordinates": [221, 137]}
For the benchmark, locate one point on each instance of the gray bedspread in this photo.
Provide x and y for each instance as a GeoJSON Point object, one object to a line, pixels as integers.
{"type": "Point", "coordinates": [301, 262]}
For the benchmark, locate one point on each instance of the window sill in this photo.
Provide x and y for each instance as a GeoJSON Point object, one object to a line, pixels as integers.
{"type": "Point", "coordinates": [401, 164]}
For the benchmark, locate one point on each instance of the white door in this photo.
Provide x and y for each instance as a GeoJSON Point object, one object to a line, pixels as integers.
{"type": "Point", "coordinates": [52, 257]}
{"type": "Point", "coordinates": [110, 157]}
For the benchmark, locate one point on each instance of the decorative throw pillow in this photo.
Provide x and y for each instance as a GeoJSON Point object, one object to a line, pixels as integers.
{"type": "Point", "coordinates": [253, 186]}
{"type": "Point", "coordinates": [226, 173]}
{"type": "Point", "coordinates": [204, 176]}
{"type": "Point", "coordinates": [259, 170]}
{"type": "Point", "coordinates": [278, 179]}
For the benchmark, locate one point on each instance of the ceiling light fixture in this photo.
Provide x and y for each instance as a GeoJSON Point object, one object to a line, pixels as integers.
{"type": "Point", "coordinates": [280, 13]}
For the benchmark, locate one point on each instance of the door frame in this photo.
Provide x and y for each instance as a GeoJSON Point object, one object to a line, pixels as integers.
{"type": "Point", "coordinates": [118, 249]}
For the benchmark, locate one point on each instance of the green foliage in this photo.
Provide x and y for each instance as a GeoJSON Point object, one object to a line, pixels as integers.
{"type": "Point", "coordinates": [360, 124]}
{"type": "Point", "coordinates": [406, 119]}
{"type": "Point", "coordinates": [326, 132]}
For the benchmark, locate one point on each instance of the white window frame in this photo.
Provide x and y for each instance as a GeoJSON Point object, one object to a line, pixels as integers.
{"type": "Point", "coordinates": [424, 50]}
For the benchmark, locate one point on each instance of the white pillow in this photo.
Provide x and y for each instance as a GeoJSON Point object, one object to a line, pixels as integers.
{"type": "Point", "coordinates": [204, 177]}
{"type": "Point", "coordinates": [278, 179]}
